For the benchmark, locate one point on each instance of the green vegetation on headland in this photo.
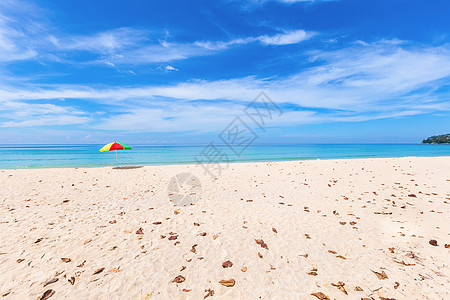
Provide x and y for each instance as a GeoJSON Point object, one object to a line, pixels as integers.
{"type": "Point", "coordinates": [438, 139]}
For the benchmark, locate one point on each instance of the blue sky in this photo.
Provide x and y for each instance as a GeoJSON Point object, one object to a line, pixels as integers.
{"type": "Point", "coordinates": [178, 72]}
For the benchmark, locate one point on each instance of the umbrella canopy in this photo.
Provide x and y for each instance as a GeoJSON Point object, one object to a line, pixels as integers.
{"type": "Point", "coordinates": [114, 147]}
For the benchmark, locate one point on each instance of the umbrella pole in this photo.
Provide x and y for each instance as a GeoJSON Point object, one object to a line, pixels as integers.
{"type": "Point", "coordinates": [117, 161]}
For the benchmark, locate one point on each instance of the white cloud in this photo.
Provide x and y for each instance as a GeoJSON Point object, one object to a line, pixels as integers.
{"type": "Point", "coordinates": [286, 38]}
{"type": "Point", "coordinates": [171, 68]}
{"type": "Point", "coordinates": [168, 68]}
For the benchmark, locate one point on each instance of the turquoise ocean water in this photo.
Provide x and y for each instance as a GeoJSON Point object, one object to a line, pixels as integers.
{"type": "Point", "coordinates": [44, 156]}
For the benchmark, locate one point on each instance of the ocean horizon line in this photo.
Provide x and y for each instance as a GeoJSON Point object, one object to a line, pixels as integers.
{"type": "Point", "coordinates": [216, 144]}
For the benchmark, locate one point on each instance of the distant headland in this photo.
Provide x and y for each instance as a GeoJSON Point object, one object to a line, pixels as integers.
{"type": "Point", "coordinates": [438, 139]}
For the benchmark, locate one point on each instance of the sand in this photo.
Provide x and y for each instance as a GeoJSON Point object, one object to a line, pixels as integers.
{"type": "Point", "coordinates": [349, 229]}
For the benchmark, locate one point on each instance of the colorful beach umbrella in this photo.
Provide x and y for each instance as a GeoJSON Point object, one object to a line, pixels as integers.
{"type": "Point", "coordinates": [114, 147]}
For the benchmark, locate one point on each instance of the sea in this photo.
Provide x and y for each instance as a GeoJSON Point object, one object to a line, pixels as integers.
{"type": "Point", "coordinates": [70, 156]}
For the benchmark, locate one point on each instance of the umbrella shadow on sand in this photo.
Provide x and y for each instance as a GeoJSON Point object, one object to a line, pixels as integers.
{"type": "Point", "coordinates": [127, 168]}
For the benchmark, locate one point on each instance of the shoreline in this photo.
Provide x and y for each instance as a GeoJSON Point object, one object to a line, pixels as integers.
{"type": "Point", "coordinates": [231, 162]}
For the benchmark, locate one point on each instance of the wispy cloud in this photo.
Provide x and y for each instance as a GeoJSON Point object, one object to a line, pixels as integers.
{"type": "Point", "coordinates": [19, 114]}
{"type": "Point", "coordinates": [165, 51]}
{"type": "Point", "coordinates": [102, 42]}
{"type": "Point", "coordinates": [24, 38]}
{"type": "Point", "coordinates": [24, 35]}
{"type": "Point", "coordinates": [158, 53]}
{"type": "Point", "coordinates": [361, 82]}
{"type": "Point", "coordinates": [15, 36]}
{"type": "Point", "coordinates": [298, 1]}
{"type": "Point", "coordinates": [251, 4]}
{"type": "Point", "coordinates": [57, 120]}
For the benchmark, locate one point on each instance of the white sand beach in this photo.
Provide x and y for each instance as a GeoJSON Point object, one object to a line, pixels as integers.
{"type": "Point", "coordinates": [343, 229]}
